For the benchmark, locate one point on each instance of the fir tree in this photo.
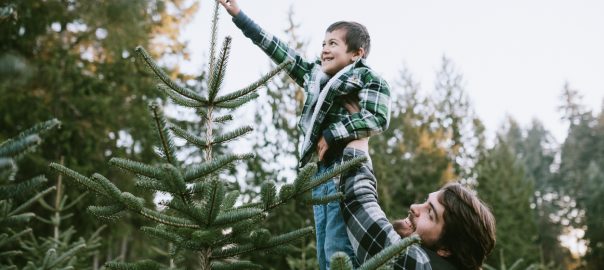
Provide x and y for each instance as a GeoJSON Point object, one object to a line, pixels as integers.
{"type": "Point", "coordinates": [60, 250]}
{"type": "Point", "coordinates": [502, 183]}
{"type": "Point", "coordinates": [15, 194]}
{"type": "Point", "coordinates": [201, 217]}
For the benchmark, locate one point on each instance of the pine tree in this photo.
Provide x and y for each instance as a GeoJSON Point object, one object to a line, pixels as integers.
{"type": "Point", "coordinates": [201, 217]}
{"type": "Point", "coordinates": [535, 148]}
{"type": "Point", "coordinates": [579, 179]}
{"type": "Point", "coordinates": [502, 183]}
{"type": "Point", "coordinates": [15, 194]}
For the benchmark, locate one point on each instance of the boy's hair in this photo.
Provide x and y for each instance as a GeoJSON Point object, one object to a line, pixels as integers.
{"type": "Point", "coordinates": [469, 228]}
{"type": "Point", "coordinates": [357, 35]}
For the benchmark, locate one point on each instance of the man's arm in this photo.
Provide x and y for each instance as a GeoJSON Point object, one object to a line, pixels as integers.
{"type": "Point", "coordinates": [369, 229]}
{"type": "Point", "coordinates": [372, 117]}
{"type": "Point", "coordinates": [276, 49]}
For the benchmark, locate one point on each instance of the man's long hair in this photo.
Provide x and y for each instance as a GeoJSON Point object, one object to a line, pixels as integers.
{"type": "Point", "coordinates": [469, 229]}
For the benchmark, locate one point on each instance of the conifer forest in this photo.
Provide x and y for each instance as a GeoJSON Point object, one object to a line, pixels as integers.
{"type": "Point", "coordinates": [110, 158]}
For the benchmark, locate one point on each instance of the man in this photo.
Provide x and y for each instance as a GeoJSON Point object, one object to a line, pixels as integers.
{"type": "Point", "coordinates": [456, 228]}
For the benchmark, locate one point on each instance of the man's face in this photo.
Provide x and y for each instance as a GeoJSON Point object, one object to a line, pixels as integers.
{"type": "Point", "coordinates": [334, 55]}
{"type": "Point", "coordinates": [425, 219]}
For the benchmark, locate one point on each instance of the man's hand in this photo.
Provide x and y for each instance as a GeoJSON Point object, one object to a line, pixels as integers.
{"type": "Point", "coordinates": [322, 147]}
{"type": "Point", "coordinates": [230, 6]}
{"type": "Point", "coordinates": [351, 104]}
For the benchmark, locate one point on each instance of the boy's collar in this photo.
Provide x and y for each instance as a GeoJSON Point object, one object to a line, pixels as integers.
{"type": "Point", "coordinates": [361, 62]}
{"type": "Point", "coordinates": [358, 63]}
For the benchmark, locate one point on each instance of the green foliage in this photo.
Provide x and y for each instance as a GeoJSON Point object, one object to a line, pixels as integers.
{"type": "Point", "coordinates": [580, 177]}
{"type": "Point", "coordinates": [16, 194]}
{"type": "Point", "coordinates": [502, 183]}
{"type": "Point", "coordinates": [198, 220]}
{"type": "Point", "coordinates": [73, 60]}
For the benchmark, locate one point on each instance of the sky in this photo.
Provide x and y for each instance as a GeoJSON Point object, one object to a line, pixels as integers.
{"type": "Point", "coordinates": [515, 56]}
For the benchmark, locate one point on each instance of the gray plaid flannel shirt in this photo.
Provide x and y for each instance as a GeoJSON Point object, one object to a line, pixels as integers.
{"type": "Point", "coordinates": [337, 124]}
{"type": "Point", "coordinates": [368, 228]}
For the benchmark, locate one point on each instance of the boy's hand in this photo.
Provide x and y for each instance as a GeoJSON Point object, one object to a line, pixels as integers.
{"type": "Point", "coordinates": [322, 147]}
{"type": "Point", "coordinates": [230, 6]}
{"type": "Point", "coordinates": [351, 104]}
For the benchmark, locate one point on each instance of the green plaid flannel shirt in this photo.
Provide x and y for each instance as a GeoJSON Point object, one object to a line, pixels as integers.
{"type": "Point", "coordinates": [334, 122]}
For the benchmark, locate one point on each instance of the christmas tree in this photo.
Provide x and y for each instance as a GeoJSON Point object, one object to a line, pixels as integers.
{"type": "Point", "coordinates": [202, 217]}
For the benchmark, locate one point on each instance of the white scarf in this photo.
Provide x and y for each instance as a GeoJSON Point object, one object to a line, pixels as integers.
{"type": "Point", "coordinates": [319, 98]}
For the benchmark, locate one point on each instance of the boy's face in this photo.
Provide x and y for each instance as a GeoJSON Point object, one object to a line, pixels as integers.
{"type": "Point", "coordinates": [425, 219]}
{"type": "Point", "coordinates": [334, 55]}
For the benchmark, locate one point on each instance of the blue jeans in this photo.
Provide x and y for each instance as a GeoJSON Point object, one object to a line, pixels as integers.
{"type": "Point", "coordinates": [330, 226]}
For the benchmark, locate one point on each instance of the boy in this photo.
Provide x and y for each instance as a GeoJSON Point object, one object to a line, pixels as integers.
{"type": "Point", "coordinates": [340, 76]}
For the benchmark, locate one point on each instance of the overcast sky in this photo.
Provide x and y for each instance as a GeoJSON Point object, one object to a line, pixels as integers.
{"type": "Point", "coordinates": [515, 55]}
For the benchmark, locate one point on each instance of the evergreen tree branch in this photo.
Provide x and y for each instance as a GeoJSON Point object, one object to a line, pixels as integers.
{"type": "Point", "coordinates": [268, 192]}
{"type": "Point", "coordinates": [223, 119]}
{"type": "Point", "coordinates": [272, 243]}
{"type": "Point", "coordinates": [200, 170]}
{"type": "Point", "coordinates": [38, 129]}
{"type": "Point", "coordinates": [22, 188]}
{"type": "Point", "coordinates": [316, 181]}
{"type": "Point", "coordinates": [338, 196]}
{"type": "Point", "coordinates": [32, 200]}
{"type": "Point", "coordinates": [340, 261]}
{"type": "Point", "coordinates": [179, 99]}
{"type": "Point", "coordinates": [165, 137]}
{"type": "Point", "coordinates": [167, 219]}
{"type": "Point", "coordinates": [111, 190]}
{"type": "Point", "coordinates": [338, 169]}
{"type": "Point", "coordinates": [143, 264]}
{"type": "Point", "coordinates": [192, 211]}
{"type": "Point", "coordinates": [389, 252]}
{"type": "Point", "coordinates": [232, 135]}
{"type": "Point", "coordinates": [18, 148]}
{"type": "Point", "coordinates": [235, 265]}
{"type": "Point", "coordinates": [165, 78]}
{"type": "Point", "coordinates": [189, 137]}
{"type": "Point", "coordinates": [151, 184]}
{"type": "Point", "coordinates": [214, 194]}
{"type": "Point", "coordinates": [173, 178]}
{"type": "Point", "coordinates": [253, 86]}
{"type": "Point", "coordinates": [214, 30]}
{"type": "Point", "coordinates": [217, 75]}
{"type": "Point", "coordinates": [66, 255]}
{"type": "Point", "coordinates": [79, 179]}
{"type": "Point", "coordinates": [229, 200]}
{"type": "Point", "coordinates": [235, 103]}
{"type": "Point", "coordinates": [162, 234]}
{"type": "Point", "coordinates": [236, 216]}
{"type": "Point", "coordinates": [106, 211]}
{"type": "Point", "coordinates": [16, 220]}
{"type": "Point", "coordinates": [75, 201]}
{"type": "Point", "coordinates": [136, 167]}
{"type": "Point", "coordinates": [5, 239]}
{"type": "Point", "coordinates": [303, 178]}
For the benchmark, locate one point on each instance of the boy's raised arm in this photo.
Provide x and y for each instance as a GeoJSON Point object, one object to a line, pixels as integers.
{"type": "Point", "coordinates": [276, 49]}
